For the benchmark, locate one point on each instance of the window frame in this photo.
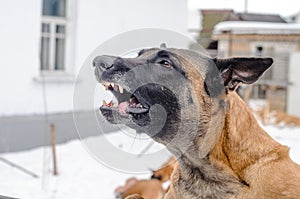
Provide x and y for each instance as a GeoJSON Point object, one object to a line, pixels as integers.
{"type": "Point", "coordinates": [52, 35]}
{"type": "Point", "coordinates": [67, 75]}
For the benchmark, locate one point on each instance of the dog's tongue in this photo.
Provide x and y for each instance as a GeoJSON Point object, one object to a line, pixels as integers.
{"type": "Point", "coordinates": [122, 107]}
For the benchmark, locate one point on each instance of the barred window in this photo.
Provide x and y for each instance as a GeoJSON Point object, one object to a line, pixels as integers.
{"type": "Point", "coordinates": [53, 32]}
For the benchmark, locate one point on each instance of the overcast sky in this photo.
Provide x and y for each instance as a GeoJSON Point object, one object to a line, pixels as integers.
{"type": "Point", "coordinates": [282, 7]}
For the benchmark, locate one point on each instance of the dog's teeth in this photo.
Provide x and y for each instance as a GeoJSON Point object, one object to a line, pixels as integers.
{"type": "Point", "coordinates": [106, 86]}
{"type": "Point", "coordinates": [104, 103]}
{"type": "Point", "coordinates": [112, 84]}
{"type": "Point", "coordinates": [110, 104]}
{"type": "Point", "coordinates": [121, 89]}
{"type": "Point", "coordinates": [116, 104]}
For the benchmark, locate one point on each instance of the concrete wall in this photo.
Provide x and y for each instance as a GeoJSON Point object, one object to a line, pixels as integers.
{"type": "Point", "coordinates": [91, 22]}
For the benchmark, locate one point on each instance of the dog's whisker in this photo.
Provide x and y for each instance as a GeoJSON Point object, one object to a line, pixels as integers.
{"type": "Point", "coordinates": [134, 139]}
{"type": "Point", "coordinates": [146, 149]}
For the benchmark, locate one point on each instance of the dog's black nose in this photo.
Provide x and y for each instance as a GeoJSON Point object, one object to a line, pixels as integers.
{"type": "Point", "coordinates": [104, 62]}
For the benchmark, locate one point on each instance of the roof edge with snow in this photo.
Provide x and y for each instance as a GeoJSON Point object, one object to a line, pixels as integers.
{"type": "Point", "coordinates": [245, 27]}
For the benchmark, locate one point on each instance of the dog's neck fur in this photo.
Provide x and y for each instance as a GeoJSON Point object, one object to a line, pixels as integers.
{"type": "Point", "coordinates": [221, 174]}
{"type": "Point", "coordinates": [242, 141]}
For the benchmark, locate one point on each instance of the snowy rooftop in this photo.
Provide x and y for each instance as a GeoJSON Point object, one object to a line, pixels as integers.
{"type": "Point", "coordinates": [243, 27]}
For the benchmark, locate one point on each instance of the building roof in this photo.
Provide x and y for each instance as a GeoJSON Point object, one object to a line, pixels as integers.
{"type": "Point", "coordinates": [246, 27]}
{"type": "Point", "coordinates": [211, 17]}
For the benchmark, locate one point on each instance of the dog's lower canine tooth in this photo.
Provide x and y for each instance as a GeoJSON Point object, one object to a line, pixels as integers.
{"type": "Point", "coordinates": [104, 103]}
{"type": "Point", "coordinates": [121, 89]}
{"type": "Point", "coordinates": [110, 104]}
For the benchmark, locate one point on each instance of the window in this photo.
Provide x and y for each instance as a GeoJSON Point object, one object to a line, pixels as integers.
{"type": "Point", "coordinates": [53, 32]}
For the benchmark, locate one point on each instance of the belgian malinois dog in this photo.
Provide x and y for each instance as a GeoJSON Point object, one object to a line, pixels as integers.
{"type": "Point", "coordinates": [187, 101]}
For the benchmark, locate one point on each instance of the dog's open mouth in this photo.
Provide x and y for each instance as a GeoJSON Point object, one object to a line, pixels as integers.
{"type": "Point", "coordinates": [127, 103]}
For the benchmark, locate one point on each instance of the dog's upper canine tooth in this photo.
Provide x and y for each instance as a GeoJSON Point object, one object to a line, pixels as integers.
{"type": "Point", "coordinates": [112, 84]}
{"type": "Point", "coordinates": [121, 89]}
{"type": "Point", "coordinates": [106, 86]}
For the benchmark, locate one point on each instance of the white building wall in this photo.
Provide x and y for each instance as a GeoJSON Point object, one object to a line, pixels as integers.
{"type": "Point", "coordinates": [91, 22]}
{"type": "Point", "coordinates": [293, 90]}
{"type": "Point", "coordinates": [194, 23]}
{"type": "Point", "coordinates": [114, 17]}
{"type": "Point", "coordinates": [19, 52]}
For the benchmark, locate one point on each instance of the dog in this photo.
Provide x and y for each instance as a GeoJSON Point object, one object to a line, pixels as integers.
{"type": "Point", "coordinates": [146, 189]}
{"type": "Point", "coordinates": [164, 173]}
{"type": "Point", "coordinates": [186, 100]}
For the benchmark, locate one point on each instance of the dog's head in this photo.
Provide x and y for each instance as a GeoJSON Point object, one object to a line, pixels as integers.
{"type": "Point", "coordinates": [164, 90]}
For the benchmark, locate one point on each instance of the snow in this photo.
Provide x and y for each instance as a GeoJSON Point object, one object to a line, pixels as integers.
{"type": "Point", "coordinates": [248, 27]}
{"type": "Point", "coordinates": [82, 176]}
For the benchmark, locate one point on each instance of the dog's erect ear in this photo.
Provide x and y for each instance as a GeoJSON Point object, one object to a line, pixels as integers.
{"type": "Point", "coordinates": [244, 70]}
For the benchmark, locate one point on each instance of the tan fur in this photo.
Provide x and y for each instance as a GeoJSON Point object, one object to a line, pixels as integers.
{"type": "Point", "coordinates": [245, 151]}
{"type": "Point", "coordinates": [255, 157]}
{"type": "Point", "coordinates": [143, 186]}
{"type": "Point", "coordinates": [166, 170]}
{"type": "Point", "coordinates": [147, 189]}
{"type": "Point", "coordinates": [135, 196]}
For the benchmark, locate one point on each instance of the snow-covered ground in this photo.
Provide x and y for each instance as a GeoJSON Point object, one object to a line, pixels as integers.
{"type": "Point", "coordinates": [81, 175]}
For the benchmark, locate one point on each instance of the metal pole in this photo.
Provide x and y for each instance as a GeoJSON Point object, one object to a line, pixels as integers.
{"type": "Point", "coordinates": [230, 43]}
{"type": "Point", "coordinates": [246, 6]}
{"type": "Point", "coordinates": [18, 167]}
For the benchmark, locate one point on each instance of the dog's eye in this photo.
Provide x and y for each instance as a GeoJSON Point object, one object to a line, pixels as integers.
{"type": "Point", "coordinates": [165, 63]}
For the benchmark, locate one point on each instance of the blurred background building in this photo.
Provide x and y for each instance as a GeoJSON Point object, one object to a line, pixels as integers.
{"type": "Point", "coordinates": [43, 45]}
{"type": "Point", "coordinates": [226, 33]}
